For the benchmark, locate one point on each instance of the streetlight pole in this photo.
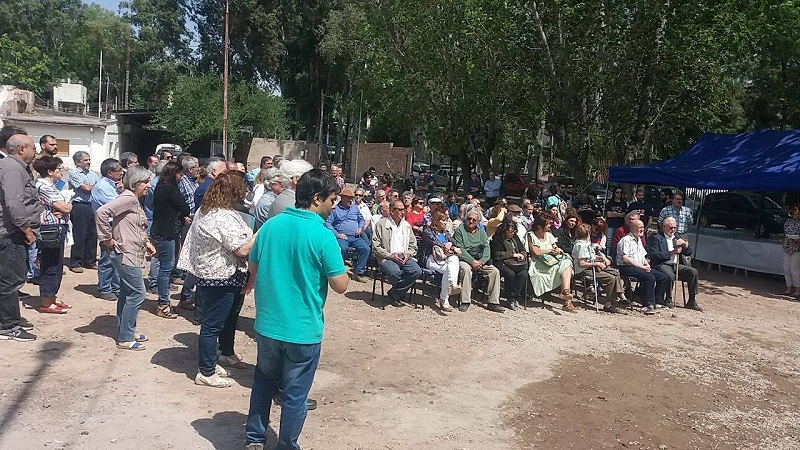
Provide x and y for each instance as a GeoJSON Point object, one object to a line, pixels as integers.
{"type": "Point", "coordinates": [225, 87]}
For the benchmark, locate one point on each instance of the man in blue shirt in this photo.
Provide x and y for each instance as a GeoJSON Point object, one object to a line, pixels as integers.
{"type": "Point", "coordinates": [289, 298]}
{"type": "Point", "coordinates": [452, 206]}
{"type": "Point", "coordinates": [492, 188]}
{"type": "Point", "coordinates": [106, 189]}
{"type": "Point", "coordinates": [347, 224]}
{"type": "Point", "coordinates": [252, 174]}
{"type": "Point", "coordinates": [84, 232]}
{"type": "Point", "coordinates": [214, 168]}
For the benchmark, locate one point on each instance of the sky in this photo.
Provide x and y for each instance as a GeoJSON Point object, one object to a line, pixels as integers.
{"type": "Point", "coordinates": [112, 5]}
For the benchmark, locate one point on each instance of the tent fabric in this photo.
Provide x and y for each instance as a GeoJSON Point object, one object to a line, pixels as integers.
{"type": "Point", "coordinates": [756, 161]}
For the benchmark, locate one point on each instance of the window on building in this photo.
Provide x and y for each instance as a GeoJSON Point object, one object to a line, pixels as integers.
{"type": "Point", "coordinates": [63, 146]}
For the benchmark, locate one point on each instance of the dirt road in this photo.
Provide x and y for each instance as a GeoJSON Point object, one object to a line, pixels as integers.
{"type": "Point", "coordinates": [415, 379]}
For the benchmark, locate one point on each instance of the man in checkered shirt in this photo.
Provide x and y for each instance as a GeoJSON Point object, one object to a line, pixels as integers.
{"type": "Point", "coordinates": [682, 215]}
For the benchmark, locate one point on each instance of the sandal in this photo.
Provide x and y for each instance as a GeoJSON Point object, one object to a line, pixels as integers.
{"type": "Point", "coordinates": [165, 311]}
{"type": "Point", "coordinates": [52, 309]}
{"type": "Point", "coordinates": [140, 338]}
{"type": "Point", "coordinates": [130, 346]}
{"type": "Point", "coordinates": [61, 304]}
{"type": "Point", "coordinates": [611, 309]}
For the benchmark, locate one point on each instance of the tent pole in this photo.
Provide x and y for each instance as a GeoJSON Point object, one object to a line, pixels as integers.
{"type": "Point", "coordinates": [697, 230]}
{"type": "Point", "coordinates": [758, 220]}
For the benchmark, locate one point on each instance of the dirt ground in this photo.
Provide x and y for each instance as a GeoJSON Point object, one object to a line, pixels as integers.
{"type": "Point", "coordinates": [417, 379]}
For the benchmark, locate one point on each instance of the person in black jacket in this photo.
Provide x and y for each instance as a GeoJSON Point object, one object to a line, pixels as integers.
{"type": "Point", "coordinates": [170, 212]}
{"type": "Point", "coordinates": [664, 248]}
{"type": "Point", "coordinates": [510, 258]}
{"type": "Point", "coordinates": [566, 234]}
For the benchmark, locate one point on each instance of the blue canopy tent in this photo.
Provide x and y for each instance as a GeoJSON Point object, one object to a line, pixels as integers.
{"type": "Point", "coordinates": [756, 161]}
{"type": "Point", "coordinates": [759, 160]}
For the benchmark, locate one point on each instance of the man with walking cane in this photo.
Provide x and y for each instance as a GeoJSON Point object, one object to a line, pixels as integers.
{"type": "Point", "coordinates": [665, 249]}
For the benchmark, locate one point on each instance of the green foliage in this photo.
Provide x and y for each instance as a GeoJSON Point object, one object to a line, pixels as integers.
{"type": "Point", "coordinates": [195, 110]}
{"type": "Point", "coordinates": [603, 82]}
{"type": "Point", "coordinates": [22, 65]}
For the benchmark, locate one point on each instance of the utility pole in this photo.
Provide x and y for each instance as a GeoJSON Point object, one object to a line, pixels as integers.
{"type": "Point", "coordinates": [128, 68]}
{"type": "Point", "coordinates": [225, 87]}
{"type": "Point", "coordinates": [100, 87]}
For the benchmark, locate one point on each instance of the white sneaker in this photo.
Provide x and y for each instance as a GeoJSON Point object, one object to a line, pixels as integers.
{"type": "Point", "coordinates": [212, 381]}
{"type": "Point", "coordinates": [444, 305]}
{"type": "Point", "coordinates": [219, 370]}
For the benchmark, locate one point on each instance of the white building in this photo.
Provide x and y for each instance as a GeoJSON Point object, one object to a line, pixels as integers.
{"type": "Point", "coordinates": [98, 137]}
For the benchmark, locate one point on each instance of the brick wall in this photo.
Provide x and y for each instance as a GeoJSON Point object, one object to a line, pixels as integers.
{"type": "Point", "coordinates": [364, 156]}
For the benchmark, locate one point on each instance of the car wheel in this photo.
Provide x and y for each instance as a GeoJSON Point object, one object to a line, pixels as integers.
{"type": "Point", "coordinates": [761, 231]}
{"type": "Point", "coordinates": [704, 222]}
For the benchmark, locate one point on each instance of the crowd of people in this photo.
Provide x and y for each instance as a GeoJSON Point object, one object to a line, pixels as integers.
{"type": "Point", "coordinates": [285, 229]}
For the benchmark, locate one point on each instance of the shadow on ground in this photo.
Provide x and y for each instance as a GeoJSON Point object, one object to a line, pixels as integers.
{"type": "Point", "coordinates": [225, 431]}
{"type": "Point", "coordinates": [103, 325]}
{"type": "Point", "coordinates": [47, 356]}
{"type": "Point", "coordinates": [183, 360]}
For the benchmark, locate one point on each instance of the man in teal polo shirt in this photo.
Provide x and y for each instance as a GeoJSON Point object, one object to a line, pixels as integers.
{"type": "Point", "coordinates": [293, 261]}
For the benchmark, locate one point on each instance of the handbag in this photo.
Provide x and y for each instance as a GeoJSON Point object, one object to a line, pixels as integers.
{"type": "Point", "coordinates": [514, 263]}
{"type": "Point", "coordinates": [49, 238]}
{"type": "Point", "coordinates": [550, 260]}
{"type": "Point", "coordinates": [439, 255]}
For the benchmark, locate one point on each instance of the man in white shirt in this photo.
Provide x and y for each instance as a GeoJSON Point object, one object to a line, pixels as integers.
{"type": "Point", "coordinates": [632, 262]}
{"type": "Point", "coordinates": [395, 246]}
{"type": "Point", "coordinates": [363, 208]}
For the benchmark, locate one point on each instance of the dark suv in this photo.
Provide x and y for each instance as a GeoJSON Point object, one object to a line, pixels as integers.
{"type": "Point", "coordinates": [738, 210]}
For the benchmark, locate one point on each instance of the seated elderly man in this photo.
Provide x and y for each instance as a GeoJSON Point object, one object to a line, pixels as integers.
{"type": "Point", "coordinates": [632, 262]}
{"type": "Point", "coordinates": [435, 203]}
{"type": "Point", "coordinates": [395, 247]}
{"type": "Point", "coordinates": [347, 223]}
{"type": "Point", "coordinates": [664, 249]}
{"type": "Point", "coordinates": [623, 231]}
{"type": "Point", "coordinates": [475, 253]}
{"type": "Point", "coordinates": [383, 210]}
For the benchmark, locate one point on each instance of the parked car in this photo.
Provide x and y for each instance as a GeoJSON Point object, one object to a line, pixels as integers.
{"type": "Point", "coordinates": [416, 168]}
{"type": "Point", "coordinates": [599, 192]}
{"type": "Point", "coordinates": [514, 184]}
{"type": "Point", "coordinates": [740, 210]}
{"type": "Point", "coordinates": [442, 176]}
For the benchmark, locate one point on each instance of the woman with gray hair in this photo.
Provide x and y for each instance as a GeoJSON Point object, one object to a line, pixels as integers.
{"type": "Point", "coordinates": [122, 229]}
{"type": "Point", "coordinates": [273, 186]}
{"type": "Point", "coordinates": [291, 171]}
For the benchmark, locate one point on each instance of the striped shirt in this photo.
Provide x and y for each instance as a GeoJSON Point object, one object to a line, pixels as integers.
{"type": "Point", "coordinates": [48, 194]}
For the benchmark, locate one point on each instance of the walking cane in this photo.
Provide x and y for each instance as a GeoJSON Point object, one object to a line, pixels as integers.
{"type": "Point", "coordinates": [596, 294]}
{"type": "Point", "coordinates": [677, 279]}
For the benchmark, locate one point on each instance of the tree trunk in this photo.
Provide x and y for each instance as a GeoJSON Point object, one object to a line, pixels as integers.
{"type": "Point", "coordinates": [645, 113]}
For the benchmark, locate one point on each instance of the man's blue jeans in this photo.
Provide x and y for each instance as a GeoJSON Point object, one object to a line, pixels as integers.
{"type": "Point", "coordinates": [152, 277]}
{"type": "Point", "coordinates": [281, 364]}
{"type": "Point", "coordinates": [166, 260]}
{"type": "Point", "coordinates": [401, 277]}
{"type": "Point", "coordinates": [107, 277]}
{"type": "Point", "coordinates": [131, 297]}
{"type": "Point", "coordinates": [362, 248]}
{"type": "Point", "coordinates": [33, 255]}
